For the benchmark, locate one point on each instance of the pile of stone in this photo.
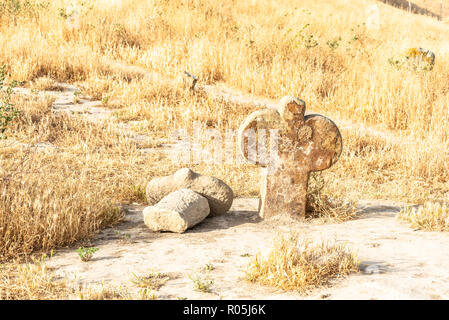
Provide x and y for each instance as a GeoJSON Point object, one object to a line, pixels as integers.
{"type": "Point", "coordinates": [184, 199]}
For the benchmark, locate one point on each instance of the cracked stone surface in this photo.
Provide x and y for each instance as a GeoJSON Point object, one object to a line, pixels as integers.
{"type": "Point", "coordinates": [302, 144]}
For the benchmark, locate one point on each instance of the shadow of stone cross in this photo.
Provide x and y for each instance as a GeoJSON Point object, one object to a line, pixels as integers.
{"type": "Point", "coordinates": [298, 145]}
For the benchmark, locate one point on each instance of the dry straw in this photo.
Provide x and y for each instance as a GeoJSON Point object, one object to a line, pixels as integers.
{"type": "Point", "coordinates": [301, 265]}
{"type": "Point", "coordinates": [429, 217]}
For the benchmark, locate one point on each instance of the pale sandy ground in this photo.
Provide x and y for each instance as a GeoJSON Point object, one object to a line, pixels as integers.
{"type": "Point", "coordinates": [397, 262]}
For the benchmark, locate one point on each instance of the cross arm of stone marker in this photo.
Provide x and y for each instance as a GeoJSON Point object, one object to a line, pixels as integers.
{"type": "Point", "coordinates": [300, 143]}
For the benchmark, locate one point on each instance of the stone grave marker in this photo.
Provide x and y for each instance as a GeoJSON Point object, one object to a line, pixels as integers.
{"type": "Point", "coordinates": [298, 145]}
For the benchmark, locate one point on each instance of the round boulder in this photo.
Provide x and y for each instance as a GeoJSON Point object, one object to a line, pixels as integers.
{"type": "Point", "coordinates": [218, 194]}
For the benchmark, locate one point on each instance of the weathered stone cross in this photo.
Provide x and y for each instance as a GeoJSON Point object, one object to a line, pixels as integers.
{"type": "Point", "coordinates": [300, 144]}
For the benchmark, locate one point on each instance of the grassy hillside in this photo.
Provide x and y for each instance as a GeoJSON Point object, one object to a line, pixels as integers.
{"type": "Point", "coordinates": [295, 49]}
{"type": "Point", "coordinates": [322, 51]}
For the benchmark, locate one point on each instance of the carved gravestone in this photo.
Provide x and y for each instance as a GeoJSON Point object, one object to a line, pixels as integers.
{"type": "Point", "coordinates": [301, 144]}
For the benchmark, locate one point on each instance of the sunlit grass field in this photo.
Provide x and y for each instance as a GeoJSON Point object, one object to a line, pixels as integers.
{"type": "Point", "coordinates": [324, 52]}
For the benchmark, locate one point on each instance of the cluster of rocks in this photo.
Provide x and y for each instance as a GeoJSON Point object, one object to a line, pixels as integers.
{"type": "Point", "coordinates": [184, 199]}
{"type": "Point", "coordinates": [305, 143]}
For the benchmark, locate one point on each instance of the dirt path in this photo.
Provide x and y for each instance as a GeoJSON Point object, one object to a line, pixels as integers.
{"type": "Point", "coordinates": [397, 262]}
{"type": "Point", "coordinates": [67, 100]}
{"type": "Point", "coordinates": [92, 110]}
{"type": "Point", "coordinates": [222, 91]}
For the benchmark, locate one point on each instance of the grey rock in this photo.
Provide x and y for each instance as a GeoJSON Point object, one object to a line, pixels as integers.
{"type": "Point", "coordinates": [218, 193]}
{"type": "Point", "coordinates": [177, 212]}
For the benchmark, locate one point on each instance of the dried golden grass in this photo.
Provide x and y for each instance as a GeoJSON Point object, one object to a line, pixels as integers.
{"type": "Point", "coordinates": [301, 265]}
{"type": "Point", "coordinates": [152, 280]}
{"type": "Point", "coordinates": [429, 217]}
{"type": "Point", "coordinates": [94, 167]}
{"type": "Point", "coordinates": [115, 293]}
{"type": "Point", "coordinates": [45, 83]}
{"type": "Point", "coordinates": [36, 281]}
{"type": "Point", "coordinates": [72, 189]}
{"type": "Point", "coordinates": [31, 281]}
{"type": "Point", "coordinates": [68, 192]}
{"type": "Point", "coordinates": [320, 205]}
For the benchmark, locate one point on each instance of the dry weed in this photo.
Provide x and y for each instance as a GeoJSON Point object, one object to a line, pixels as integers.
{"type": "Point", "coordinates": [298, 265]}
{"type": "Point", "coordinates": [429, 217]}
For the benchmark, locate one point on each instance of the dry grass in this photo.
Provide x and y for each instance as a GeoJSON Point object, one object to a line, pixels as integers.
{"type": "Point", "coordinates": [36, 281]}
{"type": "Point", "coordinates": [152, 280]}
{"type": "Point", "coordinates": [58, 196]}
{"type": "Point", "coordinates": [321, 205]}
{"type": "Point", "coordinates": [321, 52]}
{"type": "Point", "coordinates": [31, 281]}
{"type": "Point", "coordinates": [270, 56]}
{"type": "Point", "coordinates": [69, 191]}
{"type": "Point", "coordinates": [45, 83]}
{"type": "Point", "coordinates": [429, 217]}
{"type": "Point", "coordinates": [113, 293]}
{"type": "Point", "coordinates": [301, 265]}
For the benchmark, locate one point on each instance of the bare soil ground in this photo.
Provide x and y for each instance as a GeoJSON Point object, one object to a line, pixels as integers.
{"type": "Point", "coordinates": [396, 262]}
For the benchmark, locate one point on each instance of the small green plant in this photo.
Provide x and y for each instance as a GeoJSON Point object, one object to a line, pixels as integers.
{"type": "Point", "coordinates": [13, 9]}
{"type": "Point", "coordinates": [202, 283]}
{"type": "Point", "coordinates": [146, 294]}
{"type": "Point", "coordinates": [307, 41]}
{"type": "Point", "coordinates": [245, 255]}
{"type": "Point", "coordinates": [209, 267]}
{"type": "Point", "coordinates": [111, 215]}
{"type": "Point", "coordinates": [310, 42]}
{"type": "Point", "coordinates": [86, 253]}
{"type": "Point", "coordinates": [64, 14]}
{"type": "Point", "coordinates": [334, 44]}
{"type": "Point", "coordinates": [7, 110]}
{"type": "Point", "coordinates": [105, 99]}
{"type": "Point", "coordinates": [139, 194]}
{"type": "Point", "coordinates": [124, 237]}
{"type": "Point", "coordinates": [396, 63]}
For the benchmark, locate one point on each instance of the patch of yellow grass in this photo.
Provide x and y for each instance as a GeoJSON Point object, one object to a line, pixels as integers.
{"type": "Point", "coordinates": [30, 281]}
{"type": "Point", "coordinates": [36, 281]}
{"type": "Point", "coordinates": [113, 293]}
{"type": "Point", "coordinates": [71, 190]}
{"type": "Point", "coordinates": [45, 83]}
{"type": "Point", "coordinates": [301, 265]}
{"type": "Point", "coordinates": [57, 198]}
{"type": "Point", "coordinates": [320, 205]}
{"type": "Point", "coordinates": [152, 280]}
{"type": "Point", "coordinates": [429, 217]}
